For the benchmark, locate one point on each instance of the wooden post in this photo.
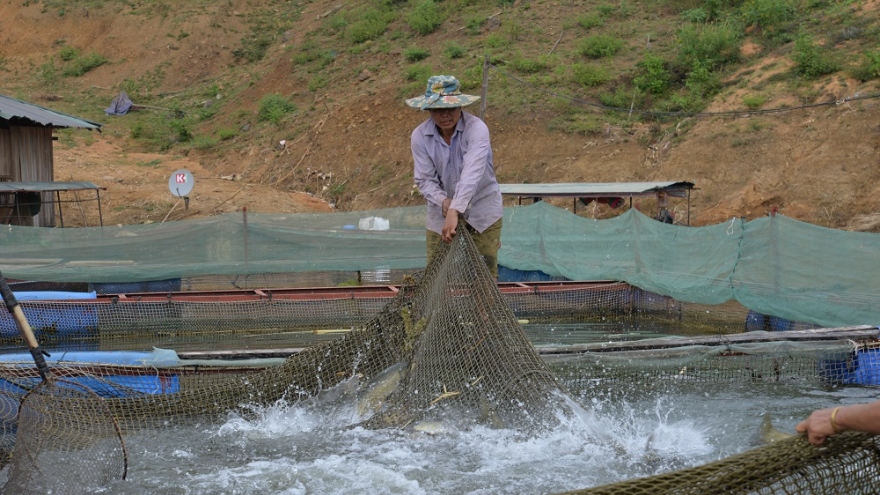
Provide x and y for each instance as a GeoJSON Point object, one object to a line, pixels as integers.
{"type": "Point", "coordinates": [245, 229]}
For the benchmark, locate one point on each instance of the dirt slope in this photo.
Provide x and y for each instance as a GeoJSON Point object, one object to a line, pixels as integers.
{"type": "Point", "coordinates": [817, 165]}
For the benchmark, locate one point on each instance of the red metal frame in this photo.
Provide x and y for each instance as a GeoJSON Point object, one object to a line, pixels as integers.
{"type": "Point", "coordinates": [325, 293]}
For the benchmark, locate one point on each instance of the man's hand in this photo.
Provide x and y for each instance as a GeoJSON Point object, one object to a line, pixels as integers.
{"type": "Point", "coordinates": [445, 205]}
{"type": "Point", "coordinates": [817, 427]}
{"type": "Point", "coordinates": [449, 225]}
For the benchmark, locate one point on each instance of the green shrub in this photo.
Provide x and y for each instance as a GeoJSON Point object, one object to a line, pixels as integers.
{"type": "Point", "coordinates": [337, 22]}
{"type": "Point", "coordinates": [48, 74]}
{"type": "Point", "coordinates": [225, 133]}
{"type": "Point", "coordinates": [605, 9]}
{"type": "Point", "coordinates": [583, 124]}
{"type": "Point", "coordinates": [254, 46]}
{"type": "Point", "coordinates": [766, 14]}
{"type": "Point", "coordinates": [589, 75]}
{"type": "Point", "coordinates": [306, 53]}
{"type": "Point", "coordinates": [530, 65]}
{"type": "Point", "coordinates": [182, 130]}
{"type": "Point", "coordinates": [317, 82]}
{"type": "Point", "coordinates": [869, 67]}
{"type": "Point", "coordinates": [418, 72]}
{"type": "Point", "coordinates": [474, 23]}
{"type": "Point", "coordinates": [713, 45]}
{"type": "Point", "coordinates": [600, 45]}
{"type": "Point", "coordinates": [591, 20]}
{"type": "Point", "coordinates": [370, 24]}
{"type": "Point", "coordinates": [161, 131]}
{"type": "Point", "coordinates": [717, 9]}
{"type": "Point", "coordinates": [811, 60]}
{"type": "Point", "coordinates": [652, 75]}
{"type": "Point", "coordinates": [621, 97]}
{"type": "Point", "coordinates": [453, 50]}
{"type": "Point", "coordinates": [68, 53]}
{"type": "Point", "coordinates": [753, 102]}
{"type": "Point", "coordinates": [697, 15]}
{"type": "Point", "coordinates": [425, 17]}
{"type": "Point", "coordinates": [496, 40]}
{"type": "Point", "coordinates": [82, 64]}
{"type": "Point", "coordinates": [274, 107]}
{"type": "Point", "coordinates": [203, 142]}
{"type": "Point", "coordinates": [415, 54]}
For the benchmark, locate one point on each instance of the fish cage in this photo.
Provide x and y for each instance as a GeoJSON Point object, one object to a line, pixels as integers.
{"type": "Point", "coordinates": [550, 312]}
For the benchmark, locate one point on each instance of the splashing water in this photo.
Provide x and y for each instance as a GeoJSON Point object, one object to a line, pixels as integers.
{"type": "Point", "coordinates": [312, 446]}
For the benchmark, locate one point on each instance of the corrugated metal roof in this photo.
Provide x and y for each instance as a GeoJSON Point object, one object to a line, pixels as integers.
{"type": "Point", "coordinates": [6, 187]}
{"type": "Point", "coordinates": [596, 189]}
{"type": "Point", "coordinates": [11, 108]}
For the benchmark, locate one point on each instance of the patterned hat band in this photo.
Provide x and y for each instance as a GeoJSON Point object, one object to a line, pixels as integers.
{"type": "Point", "coordinates": [442, 92]}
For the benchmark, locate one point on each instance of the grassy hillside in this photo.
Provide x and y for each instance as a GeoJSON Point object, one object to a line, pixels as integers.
{"type": "Point", "coordinates": [579, 90]}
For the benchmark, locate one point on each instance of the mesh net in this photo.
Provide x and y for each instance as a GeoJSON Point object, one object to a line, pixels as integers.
{"type": "Point", "coordinates": [447, 347]}
{"type": "Point", "coordinates": [553, 313]}
{"type": "Point", "coordinates": [768, 265]}
{"type": "Point", "coordinates": [67, 438]}
{"type": "Point", "coordinates": [459, 351]}
{"type": "Point", "coordinates": [847, 463]}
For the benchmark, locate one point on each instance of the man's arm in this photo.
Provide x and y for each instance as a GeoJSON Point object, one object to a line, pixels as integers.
{"type": "Point", "coordinates": [425, 174]}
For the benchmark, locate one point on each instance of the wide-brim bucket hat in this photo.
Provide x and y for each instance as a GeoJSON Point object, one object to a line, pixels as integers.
{"type": "Point", "coordinates": [442, 92]}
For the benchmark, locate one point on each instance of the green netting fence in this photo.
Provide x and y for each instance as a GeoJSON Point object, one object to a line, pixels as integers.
{"type": "Point", "coordinates": [772, 265]}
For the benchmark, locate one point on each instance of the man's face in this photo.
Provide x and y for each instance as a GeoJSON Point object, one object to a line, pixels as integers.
{"type": "Point", "coordinates": [446, 118]}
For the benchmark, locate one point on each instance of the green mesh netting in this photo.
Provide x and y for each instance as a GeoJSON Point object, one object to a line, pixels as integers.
{"type": "Point", "coordinates": [773, 265]}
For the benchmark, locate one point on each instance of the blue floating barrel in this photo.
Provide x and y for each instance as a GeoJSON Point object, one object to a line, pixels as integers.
{"type": "Point", "coordinates": [167, 285]}
{"type": "Point", "coordinates": [56, 323]}
{"type": "Point", "coordinates": [53, 295]}
{"type": "Point", "coordinates": [838, 368]}
{"type": "Point", "coordinates": [778, 324]}
{"type": "Point", "coordinates": [123, 384]}
{"type": "Point", "coordinates": [755, 321]}
{"type": "Point", "coordinates": [868, 370]}
{"type": "Point", "coordinates": [513, 275]}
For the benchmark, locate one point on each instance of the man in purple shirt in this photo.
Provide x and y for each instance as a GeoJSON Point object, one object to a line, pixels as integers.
{"type": "Point", "coordinates": [454, 172]}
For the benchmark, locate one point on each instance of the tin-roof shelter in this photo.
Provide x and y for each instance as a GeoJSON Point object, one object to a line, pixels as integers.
{"type": "Point", "coordinates": [26, 158]}
{"type": "Point", "coordinates": [602, 191]}
{"type": "Point", "coordinates": [25, 199]}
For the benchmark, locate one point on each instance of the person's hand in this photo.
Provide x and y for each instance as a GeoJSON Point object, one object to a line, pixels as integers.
{"type": "Point", "coordinates": [445, 205]}
{"type": "Point", "coordinates": [818, 426]}
{"type": "Point", "coordinates": [449, 226]}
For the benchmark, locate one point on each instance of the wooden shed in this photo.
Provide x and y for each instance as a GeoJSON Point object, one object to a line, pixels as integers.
{"type": "Point", "coordinates": [26, 155]}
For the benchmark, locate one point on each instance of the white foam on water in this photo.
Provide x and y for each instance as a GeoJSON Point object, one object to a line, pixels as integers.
{"type": "Point", "coordinates": [307, 449]}
{"type": "Point", "coordinates": [313, 448]}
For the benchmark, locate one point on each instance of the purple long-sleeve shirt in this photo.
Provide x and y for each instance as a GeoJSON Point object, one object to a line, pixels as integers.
{"type": "Point", "coordinates": [461, 170]}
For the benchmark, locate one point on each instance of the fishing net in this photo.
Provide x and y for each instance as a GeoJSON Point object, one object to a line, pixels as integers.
{"type": "Point", "coordinates": [847, 463]}
{"type": "Point", "coordinates": [67, 439]}
{"type": "Point", "coordinates": [456, 347]}
{"type": "Point", "coordinates": [446, 347]}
